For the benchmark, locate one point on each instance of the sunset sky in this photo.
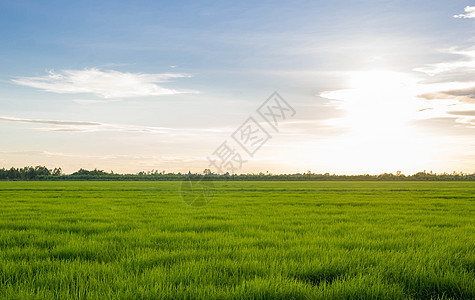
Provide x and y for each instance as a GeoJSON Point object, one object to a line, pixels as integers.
{"type": "Point", "coordinates": [377, 86]}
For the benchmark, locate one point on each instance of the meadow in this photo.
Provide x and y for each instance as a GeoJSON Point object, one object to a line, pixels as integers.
{"type": "Point", "coordinates": [254, 240]}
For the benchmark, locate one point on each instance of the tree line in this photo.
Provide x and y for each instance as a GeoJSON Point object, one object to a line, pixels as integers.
{"type": "Point", "coordinates": [43, 173]}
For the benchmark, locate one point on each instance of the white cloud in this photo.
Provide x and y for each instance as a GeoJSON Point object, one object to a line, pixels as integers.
{"type": "Point", "coordinates": [94, 101]}
{"type": "Point", "coordinates": [85, 126]}
{"type": "Point", "coordinates": [105, 84]}
{"type": "Point", "coordinates": [470, 13]}
{"type": "Point", "coordinates": [458, 70]}
{"type": "Point", "coordinates": [452, 82]}
{"type": "Point", "coordinates": [50, 122]}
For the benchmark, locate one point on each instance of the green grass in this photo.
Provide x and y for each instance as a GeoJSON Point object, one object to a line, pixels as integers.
{"type": "Point", "coordinates": [255, 240]}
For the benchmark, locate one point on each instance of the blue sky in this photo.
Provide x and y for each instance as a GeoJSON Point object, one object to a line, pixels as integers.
{"type": "Point", "coordinates": [378, 86]}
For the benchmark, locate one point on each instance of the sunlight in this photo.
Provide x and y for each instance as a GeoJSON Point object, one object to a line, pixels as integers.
{"type": "Point", "coordinates": [378, 106]}
{"type": "Point", "coordinates": [377, 102]}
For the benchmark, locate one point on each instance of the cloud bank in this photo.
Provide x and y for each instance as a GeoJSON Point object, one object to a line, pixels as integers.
{"type": "Point", "coordinates": [456, 78]}
{"type": "Point", "coordinates": [460, 69]}
{"type": "Point", "coordinates": [104, 84]}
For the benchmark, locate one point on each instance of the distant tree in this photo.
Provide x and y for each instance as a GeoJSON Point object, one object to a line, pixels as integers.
{"type": "Point", "coordinates": [42, 171]}
{"type": "Point", "coordinates": [13, 173]}
{"type": "Point", "coordinates": [57, 172]}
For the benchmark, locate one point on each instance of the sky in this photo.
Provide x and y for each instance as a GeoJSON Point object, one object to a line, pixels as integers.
{"type": "Point", "coordinates": [364, 87]}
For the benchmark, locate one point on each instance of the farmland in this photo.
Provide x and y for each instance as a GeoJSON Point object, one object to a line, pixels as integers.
{"type": "Point", "coordinates": [254, 240]}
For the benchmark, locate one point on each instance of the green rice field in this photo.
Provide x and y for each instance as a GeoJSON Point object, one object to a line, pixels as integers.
{"type": "Point", "coordinates": [253, 240]}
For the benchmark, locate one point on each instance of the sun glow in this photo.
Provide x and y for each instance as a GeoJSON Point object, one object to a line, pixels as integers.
{"type": "Point", "coordinates": [377, 102]}
{"type": "Point", "coordinates": [378, 106]}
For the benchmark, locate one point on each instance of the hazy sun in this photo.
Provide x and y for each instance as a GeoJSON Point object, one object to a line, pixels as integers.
{"type": "Point", "coordinates": [378, 106]}
{"type": "Point", "coordinates": [377, 102]}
